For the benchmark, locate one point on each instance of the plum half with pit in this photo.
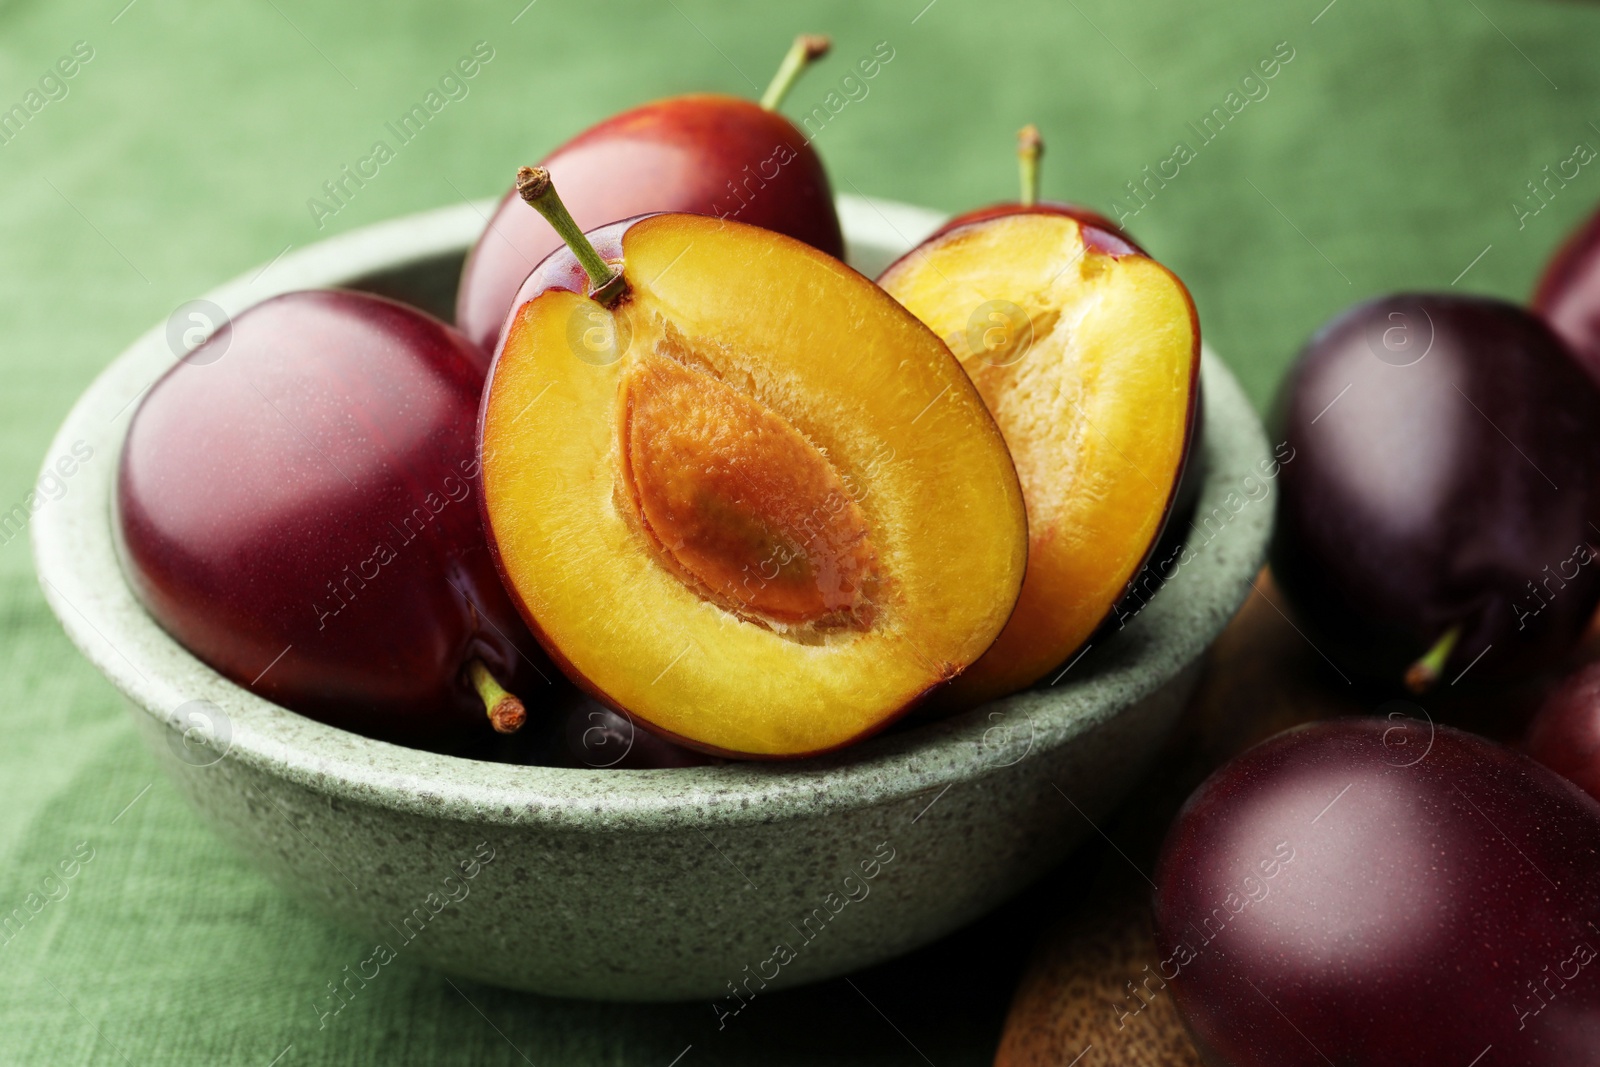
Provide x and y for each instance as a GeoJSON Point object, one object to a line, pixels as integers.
{"type": "Point", "coordinates": [1443, 490]}
{"type": "Point", "coordinates": [754, 547]}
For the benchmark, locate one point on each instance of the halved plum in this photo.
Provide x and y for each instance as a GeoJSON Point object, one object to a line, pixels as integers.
{"type": "Point", "coordinates": [753, 501]}
{"type": "Point", "coordinates": [1087, 352]}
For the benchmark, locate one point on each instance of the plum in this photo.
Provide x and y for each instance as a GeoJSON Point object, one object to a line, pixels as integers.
{"type": "Point", "coordinates": [294, 506]}
{"type": "Point", "coordinates": [1566, 734]}
{"type": "Point", "coordinates": [704, 153]}
{"type": "Point", "coordinates": [1443, 492]}
{"type": "Point", "coordinates": [1568, 293]}
{"type": "Point", "coordinates": [1384, 891]}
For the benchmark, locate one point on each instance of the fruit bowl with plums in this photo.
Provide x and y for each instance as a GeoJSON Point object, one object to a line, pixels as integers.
{"type": "Point", "coordinates": [702, 614]}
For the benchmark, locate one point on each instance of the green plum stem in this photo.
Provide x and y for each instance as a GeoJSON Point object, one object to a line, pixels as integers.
{"type": "Point", "coordinates": [1030, 146]}
{"type": "Point", "coordinates": [534, 186]}
{"type": "Point", "coordinates": [807, 49]}
{"type": "Point", "coordinates": [505, 711]}
{"type": "Point", "coordinates": [1421, 675]}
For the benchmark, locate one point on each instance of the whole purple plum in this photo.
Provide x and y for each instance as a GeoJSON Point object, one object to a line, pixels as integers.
{"type": "Point", "coordinates": [1384, 892]}
{"type": "Point", "coordinates": [1443, 493]}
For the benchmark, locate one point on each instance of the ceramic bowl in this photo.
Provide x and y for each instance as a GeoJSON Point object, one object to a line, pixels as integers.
{"type": "Point", "coordinates": [640, 885]}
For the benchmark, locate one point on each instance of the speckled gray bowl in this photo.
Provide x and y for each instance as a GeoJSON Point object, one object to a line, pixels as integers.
{"type": "Point", "coordinates": [642, 885]}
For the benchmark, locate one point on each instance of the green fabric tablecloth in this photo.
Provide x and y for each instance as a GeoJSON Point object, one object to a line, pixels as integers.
{"type": "Point", "coordinates": [164, 147]}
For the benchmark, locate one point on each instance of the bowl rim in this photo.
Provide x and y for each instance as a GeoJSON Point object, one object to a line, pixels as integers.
{"type": "Point", "coordinates": [81, 577]}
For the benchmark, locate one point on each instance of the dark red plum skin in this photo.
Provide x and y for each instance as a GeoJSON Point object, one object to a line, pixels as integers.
{"type": "Point", "coordinates": [1565, 736]}
{"type": "Point", "coordinates": [1461, 489]}
{"type": "Point", "coordinates": [256, 489]}
{"type": "Point", "coordinates": [653, 748]}
{"type": "Point", "coordinates": [701, 154]}
{"type": "Point", "coordinates": [1388, 893]}
{"type": "Point", "coordinates": [1568, 293]}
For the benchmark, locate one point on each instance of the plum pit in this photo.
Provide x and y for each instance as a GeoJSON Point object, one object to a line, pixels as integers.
{"type": "Point", "coordinates": [739, 504]}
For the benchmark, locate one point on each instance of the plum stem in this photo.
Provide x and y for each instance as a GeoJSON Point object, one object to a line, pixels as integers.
{"type": "Point", "coordinates": [505, 711]}
{"type": "Point", "coordinates": [1421, 675]}
{"type": "Point", "coordinates": [1030, 146]}
{"type": "Point", "coordinates": [534, 186]}
{"type": "Point", "coordinates": [807, 49]}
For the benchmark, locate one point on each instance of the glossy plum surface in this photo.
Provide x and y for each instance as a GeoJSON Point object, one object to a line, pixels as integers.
{"type": "Point", "coordinates": [1445, 473]}
{"type": "Point", "coordinates": [1383, 892]}
{"type": "Point", "coordinates": [702, 154]}
{"type": "Point", "coordinates": [1565, 736]}
{"type": "Point", "coordinates": [296, 505]}
{"type": "Point", "coordinates": [1568, 293]}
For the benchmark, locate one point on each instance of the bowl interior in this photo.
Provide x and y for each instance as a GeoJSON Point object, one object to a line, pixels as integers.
{"type": "Point", "coordinates": [417, 259]}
